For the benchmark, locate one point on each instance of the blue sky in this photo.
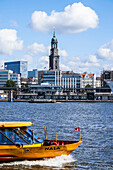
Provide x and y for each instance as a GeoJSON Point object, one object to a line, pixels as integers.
{"type": "Point", "coordinates": [84, 30]}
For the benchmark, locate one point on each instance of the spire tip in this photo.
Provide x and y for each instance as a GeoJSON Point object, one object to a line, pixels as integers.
{"type": "Point", "coordinates": [54, 31]}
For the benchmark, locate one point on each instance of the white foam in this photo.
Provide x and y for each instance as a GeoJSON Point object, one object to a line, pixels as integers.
{"type": "Point", "coordinates": [51, 162]}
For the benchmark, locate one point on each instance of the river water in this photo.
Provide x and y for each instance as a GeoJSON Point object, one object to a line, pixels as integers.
{"type": "Point", "coordinates": [96, 120]}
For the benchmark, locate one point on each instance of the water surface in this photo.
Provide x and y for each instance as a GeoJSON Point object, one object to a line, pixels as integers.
{"type": "Point", "coordinates": [96, 120]}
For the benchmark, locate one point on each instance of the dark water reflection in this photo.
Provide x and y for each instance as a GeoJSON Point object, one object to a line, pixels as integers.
{"type": "Point", "coordinates": [96, 119]}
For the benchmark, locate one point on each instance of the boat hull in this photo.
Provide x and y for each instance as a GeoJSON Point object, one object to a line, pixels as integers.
{"type": "Point", "coordinates": [35, 151]}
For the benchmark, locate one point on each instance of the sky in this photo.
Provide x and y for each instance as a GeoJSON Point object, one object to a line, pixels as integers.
{"type": "Point", "coordinates": [84, 30]}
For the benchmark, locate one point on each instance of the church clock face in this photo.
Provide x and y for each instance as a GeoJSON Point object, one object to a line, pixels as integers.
{"type": "Point", "coordinates": [55, 52]}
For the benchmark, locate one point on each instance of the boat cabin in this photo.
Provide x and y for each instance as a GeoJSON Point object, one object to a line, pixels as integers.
{"type": "Point", "coordinates": [17, 133]}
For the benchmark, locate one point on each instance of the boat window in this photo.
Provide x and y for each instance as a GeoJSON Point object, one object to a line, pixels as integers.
{"type": "Point", "coordinates": [4, 140]}
{"type": "Point", "coordinates": [18, 136]}
{"type": "Point", "coordinates": [29, 136]}
{"type": "Point", "coordinates": [24, 136]}
{"type": "Point", "coordinates": [13, 136]}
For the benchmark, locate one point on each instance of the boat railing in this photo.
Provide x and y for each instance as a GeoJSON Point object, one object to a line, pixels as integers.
{"type": "Point", "coordinates": [58, 142]}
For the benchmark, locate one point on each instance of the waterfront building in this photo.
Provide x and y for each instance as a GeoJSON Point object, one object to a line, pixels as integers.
{"type": "Point", "coordinates": [33, 73]}
{"type": "Point", "coordinates": [67, 79]}
{"type": "Point", "coordinates": [6, 75]}
{"type": "Point", "coordinates": [16, 78]}
{"type": "Point", "coordinates": [29, 80]}
{"type": "Point", "coordinates": [3, 96]}
{"type": "Point", "coordinates": [106, 75]}
{"type": "Point", "coordinates": [107, 79]}
{"type": "Point", "coordinates": [70, 81]}
{"type": "Point", "coordinates": [54, 76]}
{"type": "Point", "coordinates": [45, 89]}
{"type": "Point", "coordinates": [98, 81]}
{"type": "Point", "coordinates": [19, 67]}
{"type": "Point", "coordinates": [51, 77]}
{"type": "Point", "coordinates": [88, 79]}
{"type": "Point", "coordinates": [54, 57]}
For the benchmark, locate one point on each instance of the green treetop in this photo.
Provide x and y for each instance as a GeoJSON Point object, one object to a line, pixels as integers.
{"type": "Point", "coordinates": [10, 83]}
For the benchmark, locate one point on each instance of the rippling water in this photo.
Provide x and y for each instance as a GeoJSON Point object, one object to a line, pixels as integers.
{"type": "Point", "coordinates": [96, 120]}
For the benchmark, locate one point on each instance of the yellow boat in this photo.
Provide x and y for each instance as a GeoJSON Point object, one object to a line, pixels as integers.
{"type": "Point", "coordinates": [18, 142]}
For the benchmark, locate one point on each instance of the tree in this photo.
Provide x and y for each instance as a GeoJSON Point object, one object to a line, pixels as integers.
{"type": "Point", "coordinates": [88, 86]}
{"type": "Point", "coordinates": [10, 83]}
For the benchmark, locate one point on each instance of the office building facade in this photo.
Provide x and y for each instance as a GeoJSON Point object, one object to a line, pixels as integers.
{"type": "Point", "coordinates": [49, 76]}
{"type": "Point", "coordinates": [68, 80]}
{"type": "Point", "coordinates": [107, 79]}
{"type": "Point", "coordinates": [19, 67]}
{"type": "Point", "coordinates": [6, 75]}
{"type": "Point", "coordinates": [33, 73]}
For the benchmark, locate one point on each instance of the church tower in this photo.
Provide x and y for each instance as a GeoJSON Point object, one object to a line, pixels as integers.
{"type": "Point", "coordinates": [54, 57]}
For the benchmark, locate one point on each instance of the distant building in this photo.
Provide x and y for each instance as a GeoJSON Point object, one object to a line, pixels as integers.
{"type": "Point", "coordinates": [33, 73]}
{"type": "Point", "coordinates": [19, 67]}
{"type": "Point", "coordinates": [106, 75]}
{"type": "Point", "coordinates": [67, 79]}
{"type": "Point", "coordinates": [49, 76]}
{"type": "Point", "coordinates": [6, 75]}
{"type": "Point", "coordinates": [88, 79]}
{"type": "Point", "coordinates": [107, 79]}
{"type": "Point", "coordinates": [70, 81]}
{"type": "Point", "coordinates": [54, 57]}
{"type": "Point", "coordinates": [29, 80]}
{"type": "Point", "coordinates": [45, 88]}
{"type": "Point", "coordinates": [98, 81]}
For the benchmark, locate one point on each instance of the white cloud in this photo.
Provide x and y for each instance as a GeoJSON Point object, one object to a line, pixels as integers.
{"type": "Point", "coordinates": [63, 53]}
{"type": "Point", "coordinates": [64, 67]}
{"type": "Point", "coordinates": [9, 41]}
{"type": "Point", "coordinates": [75, 18]}
{"type": "Point", "coordinates": [36, 48]}
{"type": "Point", "coordinates": [107, 67]}
{"type": "Point", "coordinates": [93, 59]}
{"type": "Point", "coordinates": [28, 58]}
{"type": "Point", "coordinates": [43, 62]}
{"type": "Point", "coordinates": [106, 51]}
{"type": "Point", "coordinates": [78, 65]}
{"type": "Point", "coordinates": [74, 63]}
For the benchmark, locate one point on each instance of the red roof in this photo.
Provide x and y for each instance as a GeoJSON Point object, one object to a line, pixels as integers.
{"type": "Point", "coordinates": [91, 75]}
{"type": "Point", "coordinates": [98, 78]}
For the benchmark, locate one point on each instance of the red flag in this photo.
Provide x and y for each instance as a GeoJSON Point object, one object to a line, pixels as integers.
{"type": "Point", "coordinates": [77, 129]}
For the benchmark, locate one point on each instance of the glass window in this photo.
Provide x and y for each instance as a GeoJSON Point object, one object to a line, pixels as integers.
{"type": "Point", "coordinates": [4, 140]}
{"type": "Point", "coordinates": [13, 136]}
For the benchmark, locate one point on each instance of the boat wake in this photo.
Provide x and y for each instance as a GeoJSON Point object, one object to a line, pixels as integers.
{"type": "Point", "coordinates": [50, 162]}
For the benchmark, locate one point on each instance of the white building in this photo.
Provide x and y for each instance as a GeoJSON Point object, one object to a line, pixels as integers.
{"type": "Point", "coordinates": [88, 79]}
{"type": "Point", "coordinates": [67, 79]}
{"type": "Point", "coordinates": [6, 75]}
{"type": "Point", "coordinates": [98, 81]}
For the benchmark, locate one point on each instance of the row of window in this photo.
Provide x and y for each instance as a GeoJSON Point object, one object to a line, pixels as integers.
{"type": "Point", "coordinates": [3, 72]}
